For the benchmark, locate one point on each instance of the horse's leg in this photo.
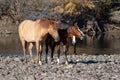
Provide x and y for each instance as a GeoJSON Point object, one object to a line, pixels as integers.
{"type": "Point", "coordinates": [30, 51]}
{"type": "Point", "coordinates": [75, 49]}
{"type": "Point", "coordinates": [58, 51]}
{"type": "Point", "coordinates": [46, 53]}
{"type": "Point", "coordinates": [52, 51]}
{"type": "Point", "coordinates": [73, 43]}
{"type": "Point", "coordinates": [24, 45]}
{"type": "Point", "coordinates": [37, 50]}
{"type": "Point", "coordinates": [71, 55]}
{"type": "Point", "coordinates": [40, 55]}
{"type": "Point", "coordinates": [65, 51]}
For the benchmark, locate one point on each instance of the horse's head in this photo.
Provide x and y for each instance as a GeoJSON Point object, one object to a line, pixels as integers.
{"type": "Point", "coordinates": [53, 30]}
{"type": "Point", "coordinates": [76, 32]}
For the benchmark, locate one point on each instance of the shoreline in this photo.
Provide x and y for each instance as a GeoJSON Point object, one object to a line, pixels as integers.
{"type": "Point", "coordinates": [81, 67]}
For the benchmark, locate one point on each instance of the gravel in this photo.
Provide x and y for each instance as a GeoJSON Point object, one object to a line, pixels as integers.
{"type": "Point", "coordinates": [80, 67]}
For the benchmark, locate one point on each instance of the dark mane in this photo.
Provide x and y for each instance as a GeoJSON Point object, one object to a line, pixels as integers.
{"type": "Point", "coordinates": [63, 25]}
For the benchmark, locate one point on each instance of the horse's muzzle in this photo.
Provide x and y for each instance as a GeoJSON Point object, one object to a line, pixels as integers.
{"type": "Point", "coordinates": [83, 35]}
{"type": "Point", "coordinates": [57, 39]}
{"type": "Point", "coordinates": [81, 38]}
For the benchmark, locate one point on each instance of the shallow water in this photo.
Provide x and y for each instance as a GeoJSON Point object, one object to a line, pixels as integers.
{"type": "Point", "coordinates": [108, 43]}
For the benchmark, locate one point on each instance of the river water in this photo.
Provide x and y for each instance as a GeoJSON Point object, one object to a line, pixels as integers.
{"type": "Point", "coordinates": [107, 43]}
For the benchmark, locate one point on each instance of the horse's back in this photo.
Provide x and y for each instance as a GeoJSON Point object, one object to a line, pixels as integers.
{"type": "Point", "coordinates": [32, 30]}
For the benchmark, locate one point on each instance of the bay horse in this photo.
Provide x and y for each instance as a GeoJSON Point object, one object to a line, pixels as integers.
{"type": "Point", "coordinates": [36, 32]}
{"type": "Point", "coordinates": [65, 35]}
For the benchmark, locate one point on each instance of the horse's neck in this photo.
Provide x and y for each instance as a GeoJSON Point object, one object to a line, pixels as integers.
{"type": "Point", "coordinates": [62, 32]}
{"type": "Point", "coordinates": [69, 30]}
{"type": "Point", "coordinates": [70, 33]}
{"type": "Point", "coordinates": [43, 33]}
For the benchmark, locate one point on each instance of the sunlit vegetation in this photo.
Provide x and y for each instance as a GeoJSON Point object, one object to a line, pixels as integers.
{"type": "Point", "coordinates": [17, 10]}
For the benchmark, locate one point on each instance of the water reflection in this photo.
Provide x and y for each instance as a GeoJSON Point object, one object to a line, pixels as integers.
{"type": "Point", "coordinates": [108, 43]}
{"type": "Point", "coordinates": [10, 45]}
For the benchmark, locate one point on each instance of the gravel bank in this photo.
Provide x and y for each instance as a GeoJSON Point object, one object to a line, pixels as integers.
{"type": "Point", "coordinates": [81, 67]}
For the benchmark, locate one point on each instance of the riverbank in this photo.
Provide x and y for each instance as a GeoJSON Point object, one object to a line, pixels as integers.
{"type": "Point", "coordinates": [82, 67]}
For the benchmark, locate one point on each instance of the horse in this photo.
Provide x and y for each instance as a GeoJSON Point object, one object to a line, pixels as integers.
{"type": "Point", "coordinates": [35, 32]}
{"type": "Point", "coordinates": [65, 34]}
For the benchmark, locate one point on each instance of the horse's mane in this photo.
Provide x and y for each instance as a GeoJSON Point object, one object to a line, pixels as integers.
{"type": "Point", "coordinates": [63, 25]}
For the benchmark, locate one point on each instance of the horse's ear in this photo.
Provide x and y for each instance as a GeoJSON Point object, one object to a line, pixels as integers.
{"type": "Point", "coordinates": [57, 22]}
{"type": "Point", "coordinates": [52, 23]}
{"type": "Point", "coordinates": [75, 23]}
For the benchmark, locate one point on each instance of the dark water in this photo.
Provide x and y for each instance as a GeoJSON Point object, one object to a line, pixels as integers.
{"type": "Point", "coordinates": [108, 43]}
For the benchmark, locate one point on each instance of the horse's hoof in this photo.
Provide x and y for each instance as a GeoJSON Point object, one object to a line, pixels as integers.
{"type": "Point", "coordinates": [40, 63]}
{"type": "Point", "coordinates": [66, 63]}
{"type": "Point", "coordinates": [52, 63]}
{"type": "Point", "coordinates": [58, 61]}
{"type": "Point", "coordinates": [46, 62]}
{"type": "Point", "coordinates": [37, 61]}
{"type": "Point", "coordinates": [75, 53]}
{"type": "Point", "coordinates": [25, 60]}
{"type": "Point", "coordinates": [52, 60]}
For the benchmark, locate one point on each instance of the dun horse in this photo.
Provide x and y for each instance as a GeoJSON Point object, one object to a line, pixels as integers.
{"type": "Point", "coordinates": [65, 35]}
{"type": "Point", "coordinates": [36, 32]}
